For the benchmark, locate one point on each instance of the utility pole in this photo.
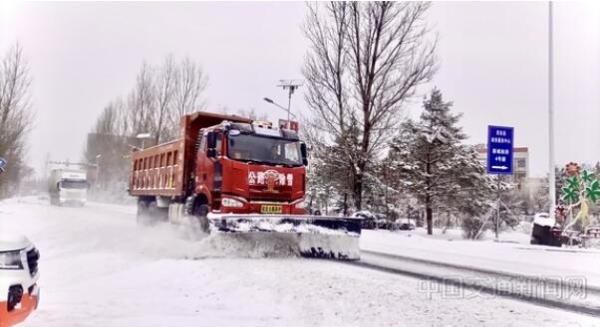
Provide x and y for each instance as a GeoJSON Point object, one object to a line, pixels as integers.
{"type": "Point", "coordinates": [498, 208]}
{"type": "Point", "coordinates": [552, 177]}
{"type": "Point", "coordinates": [387, 207]}
{"type": "Point", "coordinates": [291, 86]}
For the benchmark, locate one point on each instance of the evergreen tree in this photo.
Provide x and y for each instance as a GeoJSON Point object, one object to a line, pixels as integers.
{"type": "Point", "coordinates": [430, 160]}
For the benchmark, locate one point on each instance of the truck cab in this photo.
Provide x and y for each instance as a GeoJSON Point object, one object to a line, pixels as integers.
{"type": "Point", "coordinates": [251, 168]}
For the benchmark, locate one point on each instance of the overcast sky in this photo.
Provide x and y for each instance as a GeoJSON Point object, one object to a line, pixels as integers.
{"type": "Point", "coordinates": [493, 64]}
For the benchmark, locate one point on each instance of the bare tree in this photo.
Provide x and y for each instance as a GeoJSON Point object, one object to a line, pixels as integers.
{"type": "Point", "coordinates": [365, 61]}
{"type": "Point", "coordinates": [190, 83]}
{"type": "Point", "coordinates": [158, 99]}
{"type": "Point", "coordinates": [16, 116]}
{"type": "Point", "coordinates": [141, 102]}
{"type": "Point", "coordinates": [165, 91]}
{"type": "Point", "coordinates": [107, 151]}
{"type": "Point", "coordinates": [110, 120]}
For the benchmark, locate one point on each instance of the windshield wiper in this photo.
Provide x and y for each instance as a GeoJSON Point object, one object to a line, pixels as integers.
{"type": "Point", "coordinates": [289, 165]}
{"type": "Point", "coordinates": [270, 163]}
{"type": "Point", "coordinates": [254, 161]}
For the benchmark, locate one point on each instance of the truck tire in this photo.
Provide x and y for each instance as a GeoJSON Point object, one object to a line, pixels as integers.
{"type": "Point", "coordinates": [202, 216]}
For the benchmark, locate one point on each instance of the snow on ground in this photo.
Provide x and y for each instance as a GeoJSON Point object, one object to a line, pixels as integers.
{"type": "Point", "coordinates": [512, 254]}
{"type": "Point", "coordinates": [99, 269]}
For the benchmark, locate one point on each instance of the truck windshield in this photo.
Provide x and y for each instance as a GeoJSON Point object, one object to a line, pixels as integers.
{"type": "Point", "coordinates": [79, 185]}
{"type": "Point", "coordinates": [266, 150]}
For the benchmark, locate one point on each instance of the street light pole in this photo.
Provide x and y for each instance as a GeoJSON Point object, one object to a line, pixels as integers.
{"type": "Point", "coordinates": [551, 177]}
{"type": "Point", "coordinates": [280, 107]}
{"type": "Point", "coordinates": [289, 106]}
{"type": "Point", "coordinates": [98, 171]}
{"type": "Point", "coordinates": [291, 86]}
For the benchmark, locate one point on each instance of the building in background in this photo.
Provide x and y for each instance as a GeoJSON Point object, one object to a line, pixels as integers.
{"type": "Point", "coordinates": [520, 162]}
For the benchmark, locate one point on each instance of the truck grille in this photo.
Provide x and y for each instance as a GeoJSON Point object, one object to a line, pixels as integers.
{"type": "Point", "coordinates": [73, 196]}
{"type": "Point", "coordinates": [33, 256]}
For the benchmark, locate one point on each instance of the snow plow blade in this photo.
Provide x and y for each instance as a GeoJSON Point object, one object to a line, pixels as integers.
{"type": "Point", "coordinates": [314, 236]}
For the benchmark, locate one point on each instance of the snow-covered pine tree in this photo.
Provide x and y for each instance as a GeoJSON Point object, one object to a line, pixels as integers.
{"type": "Point", "coordinates": [328, 162]}
{"type": "Point", "coordinates": [428, 155]}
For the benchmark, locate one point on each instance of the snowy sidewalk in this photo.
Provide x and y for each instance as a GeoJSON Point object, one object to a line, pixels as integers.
{"type": "Point", "coordinates": [516, 258]}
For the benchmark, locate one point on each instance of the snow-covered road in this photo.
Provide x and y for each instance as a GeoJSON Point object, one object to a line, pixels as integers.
{"type": "Point", "coordinates": [99, 269]}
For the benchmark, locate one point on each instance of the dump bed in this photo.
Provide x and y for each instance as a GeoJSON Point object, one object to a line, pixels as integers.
{"type": "Point", "coordinates": [167, 169]}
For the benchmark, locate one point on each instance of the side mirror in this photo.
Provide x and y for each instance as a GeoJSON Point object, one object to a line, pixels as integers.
{"type": "Point", "coordinates": [211, 140]}
{"type": "Point", "coordinates": [211, 152]}
{"type": "Point", "coordinates": [303, 152]}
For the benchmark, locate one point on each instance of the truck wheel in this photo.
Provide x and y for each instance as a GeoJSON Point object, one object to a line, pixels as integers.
{"type": "Point", "coordinates": [202, 216]}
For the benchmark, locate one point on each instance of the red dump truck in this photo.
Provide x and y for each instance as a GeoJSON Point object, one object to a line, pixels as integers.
{"type": "Point", "coordinates": [232, 174]}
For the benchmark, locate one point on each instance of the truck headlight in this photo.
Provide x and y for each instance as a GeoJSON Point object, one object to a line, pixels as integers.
{"type": "Point", "coordinates": [11, 260]}
{"type": "Point", "coordinates": [300, 204]}
{"type": "Point", "coordinates": [229, 202]}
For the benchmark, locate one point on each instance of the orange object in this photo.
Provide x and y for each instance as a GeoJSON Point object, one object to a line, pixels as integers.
{"type": "Point", "coordinates": [28, 304]}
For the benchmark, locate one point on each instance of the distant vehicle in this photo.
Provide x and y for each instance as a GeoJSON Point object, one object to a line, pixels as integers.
{"type": "Point", "coordinates": [375, 220]}
{"type": "Point", "coordinates": [68, 187]}
{"type": "Point", "coordinates": [406, 226]}
{"type": "Point", "coordinates": [383, 223]}
{"type": "Point", "coordinates": [369, 221]}
{"type": "Point", "coordinates": [545, 231]}
{"type": "Point", "coordinates": [19, 292]}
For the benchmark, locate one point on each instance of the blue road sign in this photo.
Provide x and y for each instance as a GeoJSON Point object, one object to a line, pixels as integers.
{"type": "Point", "coordinates": [2, 164]}
{"type": "Point", "coordinates": [500, 150]}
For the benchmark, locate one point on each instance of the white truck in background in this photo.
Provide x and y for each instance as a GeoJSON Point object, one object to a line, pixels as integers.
{"type": "Point", "coordinates": [68, 186]}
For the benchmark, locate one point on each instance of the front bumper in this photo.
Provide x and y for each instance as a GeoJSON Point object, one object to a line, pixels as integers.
{"type": "Point", "coordinates": [264, 207]}
{"type": "Point", "coordinates": [72, 202]}
{"type": "Point", "coordinates": [29, 302]}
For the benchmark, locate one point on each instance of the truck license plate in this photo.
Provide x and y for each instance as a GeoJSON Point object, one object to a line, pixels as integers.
{"type": "Point", "coordinates": [271, 209]}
